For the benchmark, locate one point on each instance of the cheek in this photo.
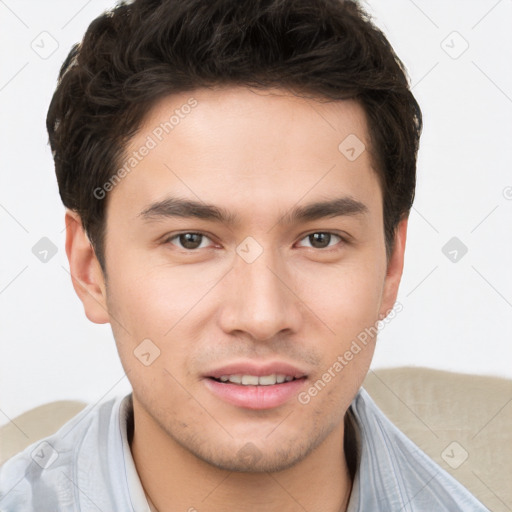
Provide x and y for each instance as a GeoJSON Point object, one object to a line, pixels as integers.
{"type": "Point", "coordinates": [153, 300]}
{"type": "Point", "coordinates": [346, 297]}
{"type": "Point", "coordinates": [163, 304]}
{"type": "Point", "coordinates": [347, 300]}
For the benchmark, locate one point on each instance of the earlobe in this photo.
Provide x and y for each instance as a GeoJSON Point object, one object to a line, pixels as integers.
{"type": "Point", "coordinates": [86, 274]}
{"type": "Point", "coordinates": [394, 270]}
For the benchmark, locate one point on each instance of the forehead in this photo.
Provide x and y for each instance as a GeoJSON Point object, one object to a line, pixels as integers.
{"type": "Point", "coordinates": [245, 146]}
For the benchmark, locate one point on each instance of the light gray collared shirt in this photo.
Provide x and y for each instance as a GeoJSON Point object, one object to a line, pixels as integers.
{"type": "Point", "coordinates": [87, 466]}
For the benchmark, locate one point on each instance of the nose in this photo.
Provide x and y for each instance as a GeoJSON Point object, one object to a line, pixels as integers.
{"type": "Point", "coordinates": [260, 299]}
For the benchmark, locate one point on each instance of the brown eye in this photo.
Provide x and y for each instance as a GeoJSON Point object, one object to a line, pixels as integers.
{"type": "Point", "coordinates": [188, 241]}
{"type": "Point", "coordinates": [321, 239]}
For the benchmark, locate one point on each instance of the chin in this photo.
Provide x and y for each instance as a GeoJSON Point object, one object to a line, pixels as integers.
{"type": "Point", "coordinates": [258, 456]}
{"type": "Point", "coordinates": [259, 463]}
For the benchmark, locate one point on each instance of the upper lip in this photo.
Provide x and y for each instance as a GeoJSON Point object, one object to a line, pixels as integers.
{"type": "Point", "coordinates": [257, 369]}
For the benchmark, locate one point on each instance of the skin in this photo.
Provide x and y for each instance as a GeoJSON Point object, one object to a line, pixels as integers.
{"type": "Point", "coordinates": [257, 154]}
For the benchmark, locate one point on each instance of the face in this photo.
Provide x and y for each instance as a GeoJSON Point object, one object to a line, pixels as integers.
{"type": "Point", "coordinates": [213, 304]}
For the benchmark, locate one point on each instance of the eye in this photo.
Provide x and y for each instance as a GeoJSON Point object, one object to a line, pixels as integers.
{"type": "Point", "coordinates": [321, 239]}
{"type": "Point", "coordinates": [189, 241]}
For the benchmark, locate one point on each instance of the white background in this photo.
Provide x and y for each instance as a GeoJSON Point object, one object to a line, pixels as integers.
{"type": "Point", "coordinates": [456, 316]}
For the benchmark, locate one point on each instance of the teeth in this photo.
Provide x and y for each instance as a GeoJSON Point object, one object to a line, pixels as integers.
{"type": "Point", "coordinates": [254, 380]}
{"type": "Point", "coordinates": [249, 380]}
{"type": "Point", "coordinates": [267, 380]}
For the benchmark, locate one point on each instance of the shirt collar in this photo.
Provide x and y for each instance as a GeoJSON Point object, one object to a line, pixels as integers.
{"type": "Point", "coordinates": [135, 489]}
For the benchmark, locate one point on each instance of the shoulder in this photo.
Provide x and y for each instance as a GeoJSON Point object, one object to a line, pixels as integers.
{"type": "Point", "coordinates": [399, 472]}
{"type": "Point", "coordinates": [44, 475]}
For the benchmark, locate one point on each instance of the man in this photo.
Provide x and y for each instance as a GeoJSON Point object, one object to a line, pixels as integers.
{"type": "Point", "coordinates": [237, 177]}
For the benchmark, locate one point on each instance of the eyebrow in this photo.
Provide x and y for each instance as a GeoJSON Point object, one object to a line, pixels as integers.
{"type": "Point", "coordinates": [186, 208]}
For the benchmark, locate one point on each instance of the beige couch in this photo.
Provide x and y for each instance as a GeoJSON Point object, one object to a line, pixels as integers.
{"type": "Point", "coordinates": [463, 422]}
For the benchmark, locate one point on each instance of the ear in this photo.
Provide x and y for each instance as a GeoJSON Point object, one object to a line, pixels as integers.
{"type": "Point", "coordinates": [86, 274]}
{"type": "Point", "coordinates": [394, 270]}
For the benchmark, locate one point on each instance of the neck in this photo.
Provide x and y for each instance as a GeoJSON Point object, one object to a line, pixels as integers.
{"type": "Point", "coordinates": [175, 479]}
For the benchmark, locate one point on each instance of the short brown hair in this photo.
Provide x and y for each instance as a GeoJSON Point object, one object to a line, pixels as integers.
{"type": "Point", "coordinates": [140, 52]}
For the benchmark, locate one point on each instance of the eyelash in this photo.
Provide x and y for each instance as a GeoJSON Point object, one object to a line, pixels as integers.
{"type": "Point", "coordinates": [325, 249]}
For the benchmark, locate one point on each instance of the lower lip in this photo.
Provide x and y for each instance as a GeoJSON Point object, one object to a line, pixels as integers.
{"type": "Point", "coordinates": [255, 397]}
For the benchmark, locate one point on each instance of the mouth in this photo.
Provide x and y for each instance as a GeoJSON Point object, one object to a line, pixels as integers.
{"type": "Point", "coordinates": [250, 386]}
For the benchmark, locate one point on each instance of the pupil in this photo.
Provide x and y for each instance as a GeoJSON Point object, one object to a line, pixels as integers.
{"type": "Point", "coordinates": [187, 240]}
{"type": "Point", "coordinates": [320, 237]}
